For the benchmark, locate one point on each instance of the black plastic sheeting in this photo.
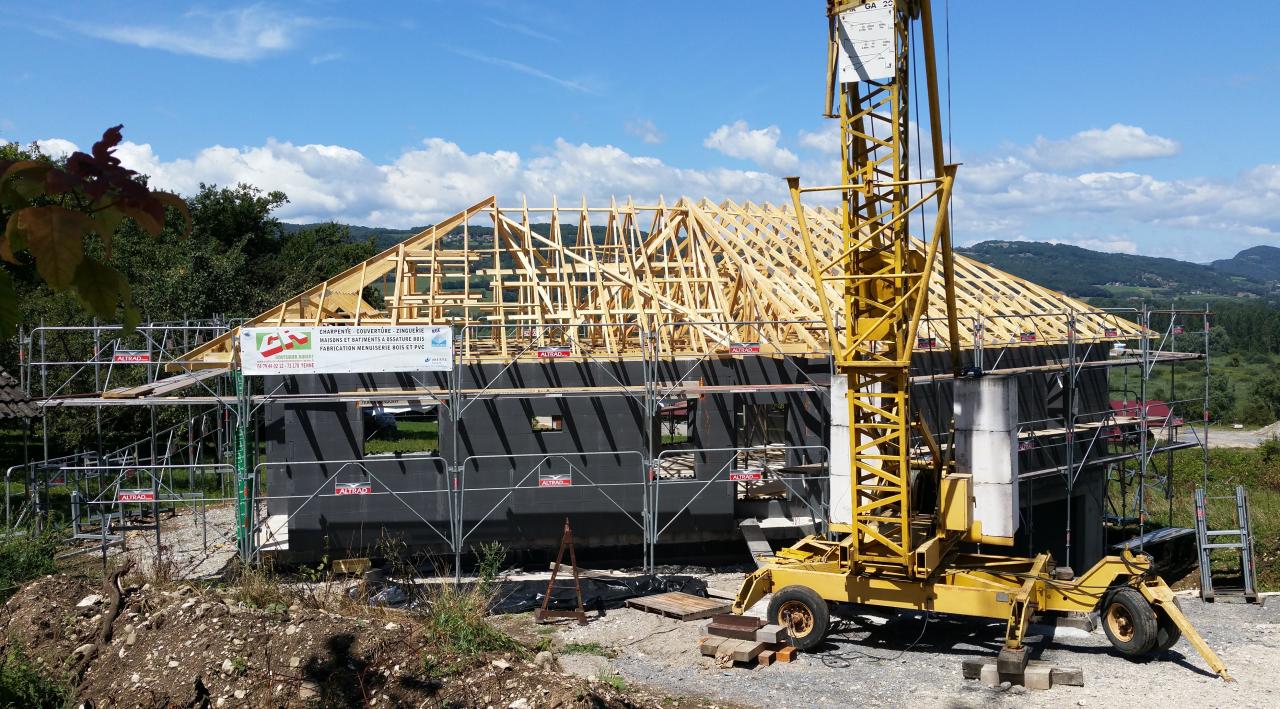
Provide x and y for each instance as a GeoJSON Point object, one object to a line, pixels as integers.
{"type": "Point", "coordinates": [598, 593]}
{"type": "Point", "coordinates": [1172, 550]}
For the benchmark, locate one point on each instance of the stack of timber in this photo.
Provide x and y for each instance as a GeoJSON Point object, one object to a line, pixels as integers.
{"type": "Point", "coordinates": [744, 640]}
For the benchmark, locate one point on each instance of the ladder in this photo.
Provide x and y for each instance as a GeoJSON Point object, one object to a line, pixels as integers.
{"type": "Point", "coordinates": [1238, 538]}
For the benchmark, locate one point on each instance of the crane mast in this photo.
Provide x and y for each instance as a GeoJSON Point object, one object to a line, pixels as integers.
{"type": "Point", "coordinates": [883, 278]}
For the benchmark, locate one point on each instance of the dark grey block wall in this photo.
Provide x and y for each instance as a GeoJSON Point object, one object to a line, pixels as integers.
{"type": "Point", "coordinates": [601, 447]}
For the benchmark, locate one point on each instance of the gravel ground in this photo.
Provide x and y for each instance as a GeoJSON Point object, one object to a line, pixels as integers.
{"type": "Point", "coordinates": [1231, 438]}
{"type": "Point", "coordinates": [869, 663]}
{"type": "Point", "coordinates": [197, 545]}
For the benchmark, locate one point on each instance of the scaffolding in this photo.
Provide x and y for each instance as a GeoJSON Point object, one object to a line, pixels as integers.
{"type": "Point", "coordinates": [661, 287]}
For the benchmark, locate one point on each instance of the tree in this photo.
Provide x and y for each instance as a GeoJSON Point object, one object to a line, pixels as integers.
{"type": "Point", "coordinates": [50, 211]}
{"type": "Point", "coordinates": [1267, 392]}
{"type": "Point", "coordinates": [1222, 397]}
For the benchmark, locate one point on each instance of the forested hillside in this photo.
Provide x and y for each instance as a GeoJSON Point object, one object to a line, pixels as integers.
{"type": "Point", "coordinates": [1081, 272]}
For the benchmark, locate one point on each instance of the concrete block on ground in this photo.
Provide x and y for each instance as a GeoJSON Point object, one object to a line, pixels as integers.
{"type": "Point", "coordinates": [1037, 676]}
{"type": "Point", "coordinates": [989, 675]}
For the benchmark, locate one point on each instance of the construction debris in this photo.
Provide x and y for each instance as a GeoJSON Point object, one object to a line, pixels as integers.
{"type": "Point", "coordinates": [739, 639]}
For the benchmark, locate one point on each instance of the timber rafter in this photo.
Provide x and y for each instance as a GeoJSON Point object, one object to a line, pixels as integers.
{"type": "Point", "coordinates": [698, 276]}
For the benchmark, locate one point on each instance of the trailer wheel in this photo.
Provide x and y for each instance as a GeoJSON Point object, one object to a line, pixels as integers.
{"type": "Point", "coordinates": [803, 613]}
{"type": "Point", "coordinates": [1129, 622]}
{"type": "Point", "coordinates": [1167, 632]}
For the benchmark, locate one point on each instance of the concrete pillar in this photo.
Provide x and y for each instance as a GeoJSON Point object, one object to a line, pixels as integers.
{"type": "Point", "coordinates": [986, 437]}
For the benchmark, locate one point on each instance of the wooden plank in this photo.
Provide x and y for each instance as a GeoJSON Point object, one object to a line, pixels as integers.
{"type": "Point", "coordinates": [747, 650]}
{"type": "Point", "coordinates": [709, 644]}
{"type": "Point", "coordinates": [736, 632]}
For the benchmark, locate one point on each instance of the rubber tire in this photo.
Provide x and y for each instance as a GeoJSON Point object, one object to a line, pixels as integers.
{"type": "Point", "coordinates": [1141, 614]}
{"type": "Point", "coordinates": [1167, 633]}
{"type": "Point", "coordinates": [812, 602]}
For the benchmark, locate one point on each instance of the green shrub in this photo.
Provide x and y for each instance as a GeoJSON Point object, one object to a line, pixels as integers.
{"type": "Point", "coordinates": [456, 615]}
{"type": "Point", "coordinates": [24, 557]}
{"type": "Point", "coordinates": [22, 686]}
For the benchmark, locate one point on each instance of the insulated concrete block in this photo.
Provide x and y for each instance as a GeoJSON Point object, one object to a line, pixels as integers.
{"type": "Point", "coordinates": [996, 507]}
{"type": "Point", "coordinates": [987, 403]}
{"type": "Point", "coordinates": [989, 456]}
{"type": "Point", "coordinates": [839, 491]}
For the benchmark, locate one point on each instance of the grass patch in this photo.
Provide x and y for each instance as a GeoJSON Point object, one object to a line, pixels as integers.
{"type": "Point", "coordinates": [456, 617]}
{"type": "Point", "coordinates": [21, 685]}
{"type": "Point", "coordinates": [592, 648]}
{"type": "Point", "coordinates": [406, 437]}
{"type": "Point", "coordinates": [24, 557]}
{"type": "Point", "coordinates": [1258, 469]}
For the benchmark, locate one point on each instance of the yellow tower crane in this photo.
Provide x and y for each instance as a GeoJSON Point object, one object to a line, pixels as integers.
{"type": "Point", "coordinates": [894, 551]}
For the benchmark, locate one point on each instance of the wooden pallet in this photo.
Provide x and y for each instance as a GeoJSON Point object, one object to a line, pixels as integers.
{"type": "Point", "coordinates": [681, 606]}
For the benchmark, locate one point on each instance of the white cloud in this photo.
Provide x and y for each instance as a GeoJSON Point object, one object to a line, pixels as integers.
{"type": "Point", "coordinates": [238, 34]}
{"type": "Point", "coordinates": [326, 58]}
{"type": "Point", "coordinates": [522, 29]}
{"type": "Point", "coordinates": [825, 140]}
{"type": "Point", "coordinates": [738, 140]}
{"type": "Point", "coordinates": [57, 148]}
{"type": "Point", "coordinates": [1115, 245]}
{"type": "Point", "coordinates": [522, 68]}
{"type": "Point", "coordinates": [1003, 197]}
{"type": "Point", "coordinates": [438, 178]}
{"type": "Point", "coordinates": [645, 130]}
{"type": "Point", "coordinates": [1098, 147]}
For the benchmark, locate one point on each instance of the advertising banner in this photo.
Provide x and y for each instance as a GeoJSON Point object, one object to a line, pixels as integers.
{"type": "Point", "coordinates": [556, 352]}
{"type": "Point", "coordinates": [131, 357]}
{"type": "Point", "coordinates": [346, 350]}
{"type": "Point", "coordinates": [124, 495]}
{"type": "Point", "coordinates": [554, 480]}
{"type": "Point", "coordinates": [746, 474]}
{"type": "Point", "coordinates": [353, 488]}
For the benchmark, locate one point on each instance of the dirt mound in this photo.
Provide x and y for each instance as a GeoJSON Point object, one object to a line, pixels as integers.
{"type": "Point", "coordinates": [195, 647]}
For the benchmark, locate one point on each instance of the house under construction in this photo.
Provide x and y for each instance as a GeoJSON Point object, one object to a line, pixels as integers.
{"type": "Point", "coordinates": [659, 373]}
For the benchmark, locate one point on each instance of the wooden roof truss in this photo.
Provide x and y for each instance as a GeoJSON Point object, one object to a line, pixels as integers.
{"type": "Point", "coordinates": [697, 277]}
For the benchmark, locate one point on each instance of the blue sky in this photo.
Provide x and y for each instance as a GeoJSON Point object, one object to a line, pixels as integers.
{"type": "Point", "coordinates": [1134, 127]}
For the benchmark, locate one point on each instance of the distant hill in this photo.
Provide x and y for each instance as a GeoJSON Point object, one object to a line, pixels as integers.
{"type": "Point", "coordinates": [1084, 273]}
{"type": "Point", "coordinates": [1260, 263]}
{"type": "Point", "coordinates": [383, 238]}
{"type": "Point", "coordinates": [1254, 272]}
